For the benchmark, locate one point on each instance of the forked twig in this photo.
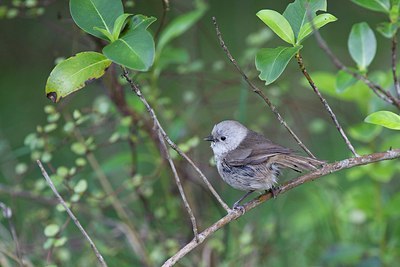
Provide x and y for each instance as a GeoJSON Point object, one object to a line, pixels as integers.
{"type": "Point", "coordinates": [325, 103]}
{"type": "Point", "coordinates": [74, 219]}
{"type": "Point", "coordinates": [256, 90]}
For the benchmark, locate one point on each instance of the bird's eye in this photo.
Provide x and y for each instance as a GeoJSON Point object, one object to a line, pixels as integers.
{"type": "Point", "coordinates": [223, 138]}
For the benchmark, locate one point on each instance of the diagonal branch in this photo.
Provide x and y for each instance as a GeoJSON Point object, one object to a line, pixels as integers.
{"type": "Point", "coordinates": [325, 103]}
{"type": "Point", "coordinates": [394, 65]}
{"type": "Point", "coordinates": [325, 170]}
{"type": "Point", "coordinates": [76, 221]}
{"type": "Point", "coordinates": [377, 89]}
{"type": "Point", "coordinates": [256, 90]}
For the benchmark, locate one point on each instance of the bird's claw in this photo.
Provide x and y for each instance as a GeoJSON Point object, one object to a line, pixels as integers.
{"type": "Point", "coordinates": [238, 207]}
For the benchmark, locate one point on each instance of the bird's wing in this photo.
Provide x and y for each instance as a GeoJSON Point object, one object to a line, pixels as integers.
{"type": "Point", "coordinates": [255, 149]}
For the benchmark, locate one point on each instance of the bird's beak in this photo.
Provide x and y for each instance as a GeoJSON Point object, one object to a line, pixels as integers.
{"type": "Point", "coordinates": [209, 138]}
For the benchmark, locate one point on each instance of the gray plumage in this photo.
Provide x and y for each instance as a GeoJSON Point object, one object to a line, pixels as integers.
{"type": "Point", "coordinates": [248, 161]}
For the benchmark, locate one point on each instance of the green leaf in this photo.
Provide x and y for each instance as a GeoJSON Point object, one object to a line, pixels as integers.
{"type": "Point", "coordinates": [387, 29]}
{"type": "Point", "coordinates": [375, 5]}
{"type": "Point", "coordinates": [178, 26]}
{"type": "Point", "coordinates": [51, 230]}
{"type": "Point", "coordinates": [119, 24]}
{"type": "Point", "coordinates": [135, 49]}
{"type": "Point", "coordinates": [318, 22]}
{"type": "Point", "coordinates": [362, 45]}
{"type": "Point", "coordinates": [88, 14]}
{"type": "Point", "coordinates": [344, 80]}
{"type": "Point", "coordinates": [81, 186]}
{"type": "Point", "coordinates": [300, 12]}
{"type": "Point", "coordinates": [137, 21]}
{"type": "Point", "coordinates": [271, 62]}
{"type": "Point", "coordinates": [278, 24]}
{"type": "Point", "coordinates": [74, 73]}
{"type": "Point", "coordinates": [384, 118]}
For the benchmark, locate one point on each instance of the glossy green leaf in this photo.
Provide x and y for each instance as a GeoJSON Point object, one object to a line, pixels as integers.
{"type": "Point", "coordinates": [178, 26]}
{"type": "Point", "coordinates": [74, 73]}
{"type": "Point", "coordinates": [375, 5]}
{"type": "Point", "coordinates": [387, 29]}
{"type": "Point", "coordinates": [362, 45]}
{"type": "Point", "coordinates": [318, 22]}
{"type": "Point", "coordinates": [344, 80]}
{"type": "Point", "coordinates": [135, 49]}
{"type": "Point", "coordinates": [137, 21]}
{"type": "Point", "coordinates": [102, 14]}
{"type": "Point", "coordinates": [119, 25]}
{"type": "Point", "coordinates": [271, 62]}
{"type": "Point", "coordinates": [300, 12]}
{"type": "Point", "coordinates": [278, 24]}
{"type": "Point", "coordinates": [384, 118]}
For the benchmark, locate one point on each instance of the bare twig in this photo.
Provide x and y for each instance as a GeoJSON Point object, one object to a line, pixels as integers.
{"type": "Point", "coordinates": [325, 170]}
{"type": "Point", "coordinates": [377, 89]}
{"type": "Point", "coordinates": [74, 219]}
{"type": "Point", "coordinates": [179, 185]}
{"type": "Point", "coordinates": [7, 213]}
{"type": "Point", "coordinates": [325, 103]}
{"type": "Point", "coordinates": [165, 4]}
{"type": "Point", "coordinates": [256, 90]}
{"type": "Point", "coordinates": [138, 92]}
{"type": "Point", "coordinates": [394, 65]}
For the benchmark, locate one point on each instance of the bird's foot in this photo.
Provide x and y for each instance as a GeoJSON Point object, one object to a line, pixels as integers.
{"type": "Point", "coordinates": [238, 207]}
{"type": "Point", "coordinates": [275, 190]}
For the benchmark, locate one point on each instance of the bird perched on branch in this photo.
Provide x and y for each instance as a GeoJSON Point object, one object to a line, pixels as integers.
{"type": "Point", "coordinates": [248, 161]}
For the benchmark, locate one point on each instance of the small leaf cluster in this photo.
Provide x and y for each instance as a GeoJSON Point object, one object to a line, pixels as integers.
{"type": "Point", "coordinates": [293, 26]}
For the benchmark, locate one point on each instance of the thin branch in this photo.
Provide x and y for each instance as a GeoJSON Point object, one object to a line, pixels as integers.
{"type": "Point", "coordinates": [7, 213]}
{"type": "Point", "coordinates": [138, 92]}
{"type": "Point", "coordinates": [165, 4]}
{"type": "Point", "coordinates": [377, 89]}
{"type": "Point", "coordinates": [325, 103]}
{"type": "Point", "coordinates": [394, 65]}
{"type": "Point", "coordinates": [325, 170]}
{"type": "Point", "coordinates": [180, 188]}
{"type": "Point", "coordinates": [256, 90]}
{"type": "Point", "coordinates": [74, 219]}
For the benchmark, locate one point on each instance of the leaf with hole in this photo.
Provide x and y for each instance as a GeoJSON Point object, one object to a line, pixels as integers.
{"type": "Point", "coordinates": [384, 118]}
{"type": "Point", "coordinates": [102, 14]}
{"type": "Point", "coordinates": [362, 45]}
{"type": "Point", "coordinates": [278, 24]}
{"type": "Point", "coordinates": [271, 62]}
{"type": "Point", "coordinates": [74, 73]}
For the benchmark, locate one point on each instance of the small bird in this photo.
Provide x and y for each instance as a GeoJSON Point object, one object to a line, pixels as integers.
{"type": "Point", "coordinates": [248, 161]}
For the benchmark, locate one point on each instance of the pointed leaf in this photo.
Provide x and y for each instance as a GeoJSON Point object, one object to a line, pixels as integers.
{"type": "Point", "coordinates": [137, 21]}
{"type": "Point", "coordinates": [362, 45]}
{"type": "Point", "coordinates": [300, 12]}
{"type": "Point", "coordinates": [384, 118]}
{"type": "Point", "coordinates": [318, 22]}
{"type": "Point", "coordinates": [119, 25]}
{"type": "Point", "coordinates": [344, 80]}
{"type": "Point", "coordinates": [134, 50]}
{"type": "Point", "coordinates": [375, 5]}
{"type": "Point", "coordinates": [178, 26]}
{"type": "Point", "coordinates": [278, 24]}
{"type": "Point", "coordinates": [88, 14]}
{"type": "Point", "coordinates": [271, 62]}
{"type": "Point", "coordinates": [106, 34]}
{"type": "Point", "coordinates": [74, 73]}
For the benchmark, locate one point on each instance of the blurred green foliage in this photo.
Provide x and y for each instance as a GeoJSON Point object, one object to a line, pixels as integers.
{"type": "Point", "coordinates": [107, 165]}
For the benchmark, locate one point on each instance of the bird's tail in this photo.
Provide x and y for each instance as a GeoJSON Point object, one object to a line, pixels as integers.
{"type": "Point", "coordinates": [297, 163]}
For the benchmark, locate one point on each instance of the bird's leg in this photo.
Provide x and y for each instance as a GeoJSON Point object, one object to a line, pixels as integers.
{"type": "Point", "coordinates": [275, 189]}
{"type": "Point", "coordinates": [236, 204]}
